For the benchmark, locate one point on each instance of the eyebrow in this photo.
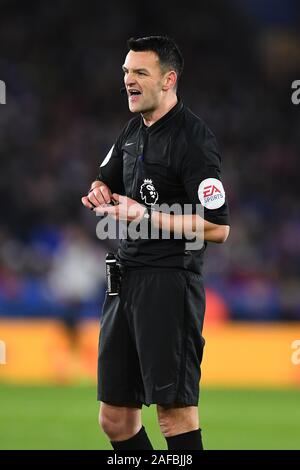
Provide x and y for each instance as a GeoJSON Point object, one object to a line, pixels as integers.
{"type": "Point", "coordinates": [125, 69]}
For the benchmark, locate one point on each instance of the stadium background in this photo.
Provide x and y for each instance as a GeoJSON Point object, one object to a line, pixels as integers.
{"type": "Point", "coordinates": [61, 62]}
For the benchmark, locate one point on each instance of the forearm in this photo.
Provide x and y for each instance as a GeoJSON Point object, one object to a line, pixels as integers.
{"type": "Point", "coordinates": [190, 226]}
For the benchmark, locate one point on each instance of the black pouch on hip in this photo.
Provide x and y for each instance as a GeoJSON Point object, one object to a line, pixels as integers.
{"type": "Point", "coordinates": [113, 275]}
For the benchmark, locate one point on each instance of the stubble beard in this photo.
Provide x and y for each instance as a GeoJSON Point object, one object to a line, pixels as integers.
{"type": "Point", "coordinates": [147, 111]}
{"type": "Point", "coordinates": [144, 110]}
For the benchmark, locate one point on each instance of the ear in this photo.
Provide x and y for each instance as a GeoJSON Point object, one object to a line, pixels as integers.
{"type": "Point", "coordinates": [169, 80]}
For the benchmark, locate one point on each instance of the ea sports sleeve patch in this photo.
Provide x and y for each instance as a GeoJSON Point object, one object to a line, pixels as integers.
{"type": "Point", "coordinates": [211, 193]}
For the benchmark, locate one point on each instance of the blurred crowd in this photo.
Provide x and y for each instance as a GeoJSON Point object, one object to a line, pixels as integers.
{"type": "Point", "coordinates": [61, 62]}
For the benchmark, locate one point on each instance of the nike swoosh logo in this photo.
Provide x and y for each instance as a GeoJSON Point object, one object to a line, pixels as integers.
{"type": "Point", "coordinates": [129, 143]}
{"type": "Point", "coordinates": [163, 387]}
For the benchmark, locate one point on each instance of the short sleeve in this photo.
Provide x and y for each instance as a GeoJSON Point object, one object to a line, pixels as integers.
{"type": "Point", "coordinates": [111, 168]}
{"type": "Point", "coordinates": [201, 176]}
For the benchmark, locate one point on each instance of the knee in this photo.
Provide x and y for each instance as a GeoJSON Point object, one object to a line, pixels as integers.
{"type": "Point", "coordinates": [111, 426]}
{"type": "Point", "coordinates": [118, 426]}
{"type": "Point", "coordinates": [173, 421]}
{"type": "Point", "coordinates": [166, 421]}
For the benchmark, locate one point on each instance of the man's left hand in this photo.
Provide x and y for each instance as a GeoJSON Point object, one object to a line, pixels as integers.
{"type": "Point", "coordinates": [124, 209]}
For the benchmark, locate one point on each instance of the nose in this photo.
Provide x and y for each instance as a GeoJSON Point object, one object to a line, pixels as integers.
{"type": "Point", "coordinates": [129, 79]}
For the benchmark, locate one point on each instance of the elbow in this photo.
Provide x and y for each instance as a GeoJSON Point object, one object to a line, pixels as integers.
{"type": "Point", "coordinates": [222, 234]}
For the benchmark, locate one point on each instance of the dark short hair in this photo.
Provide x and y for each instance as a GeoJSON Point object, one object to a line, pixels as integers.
{"type": "Point", "coordinates": [168, 53]}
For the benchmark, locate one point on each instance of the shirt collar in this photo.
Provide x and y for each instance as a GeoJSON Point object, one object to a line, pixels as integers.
{"type": "Point", "coordinates": [166, 117]}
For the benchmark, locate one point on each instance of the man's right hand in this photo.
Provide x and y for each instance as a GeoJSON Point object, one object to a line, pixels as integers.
{"type": "Point", "coordinates": [98, 195]}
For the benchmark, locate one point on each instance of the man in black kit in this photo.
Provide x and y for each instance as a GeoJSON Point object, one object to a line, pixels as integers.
{"type": "Point", "coordinates": [151, 344]}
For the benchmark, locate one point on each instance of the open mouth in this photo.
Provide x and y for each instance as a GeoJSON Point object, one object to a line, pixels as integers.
{"type": "Point", "coordinates": [133, 92]}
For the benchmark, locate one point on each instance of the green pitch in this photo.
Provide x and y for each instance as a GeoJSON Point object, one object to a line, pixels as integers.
{"type": "Point", "coordinates": [66, 418]}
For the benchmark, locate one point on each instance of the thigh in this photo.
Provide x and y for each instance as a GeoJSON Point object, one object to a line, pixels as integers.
{"type": "Point", "coordinates": [119, 377]}
{"type": "Point", "coordinates": [168, 315]}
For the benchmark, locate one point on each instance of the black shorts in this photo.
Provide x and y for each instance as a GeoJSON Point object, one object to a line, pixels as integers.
{"type": "Point", "coordinates": [150, 344]}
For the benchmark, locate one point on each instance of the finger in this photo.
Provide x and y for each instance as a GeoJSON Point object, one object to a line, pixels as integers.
{"type": "Point", "coordinates": [95, 197]}
{"type": "Point", "coordinates": [106, 194]}
{"type": "Point", "coordinates": [95, 184]}
{"type": "Point", "coordinates": [85, 201]}
{"type": "Point", "coordinates": [116, 214]}
{"type": "Point", "coordinates": [118, 198]}
{"type": "Point", "coordinates": [103, 210]}
{"type": "Point", "coordinates": [103, 193]}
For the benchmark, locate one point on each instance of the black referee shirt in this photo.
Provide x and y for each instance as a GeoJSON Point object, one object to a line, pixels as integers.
{"type": "Point", "coordinates": [176, 160]}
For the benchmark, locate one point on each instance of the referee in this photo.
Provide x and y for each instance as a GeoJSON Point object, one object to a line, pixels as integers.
{"type": "Point", "coordinates": [151, 347]}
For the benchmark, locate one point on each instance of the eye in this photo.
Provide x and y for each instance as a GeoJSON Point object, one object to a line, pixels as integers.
{"type": "Point", "coordinates": [142, 73]}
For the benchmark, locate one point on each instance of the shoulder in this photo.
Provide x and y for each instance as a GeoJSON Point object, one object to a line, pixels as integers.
{"type": "Point", "coordinates": [201, 146]}
{"type": "Point", "coordinates": [196, 129]}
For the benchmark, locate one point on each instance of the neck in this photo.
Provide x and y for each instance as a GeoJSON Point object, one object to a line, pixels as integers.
{"type": "Point", "coordinates": [151, 117]}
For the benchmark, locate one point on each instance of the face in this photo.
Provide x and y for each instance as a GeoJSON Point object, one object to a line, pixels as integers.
{"type": "Point", "coordinates": [144, 81]}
